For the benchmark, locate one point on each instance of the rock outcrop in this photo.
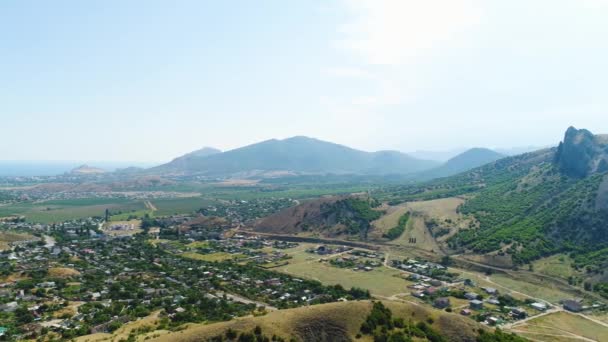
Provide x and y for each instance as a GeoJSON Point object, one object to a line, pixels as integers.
{"type": "Point", "coordinates": [582, 154]}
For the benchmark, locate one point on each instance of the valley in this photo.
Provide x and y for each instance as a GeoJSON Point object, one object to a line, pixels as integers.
{"type": "Point", "coordinates": [516, 245]}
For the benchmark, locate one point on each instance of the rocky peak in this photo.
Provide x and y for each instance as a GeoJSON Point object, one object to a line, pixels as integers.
{"type": "Point", "coordinates": [582, 153]}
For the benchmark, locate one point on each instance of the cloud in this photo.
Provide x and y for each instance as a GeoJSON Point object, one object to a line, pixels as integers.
{"type": "Point", "coordinates": [393, 32]}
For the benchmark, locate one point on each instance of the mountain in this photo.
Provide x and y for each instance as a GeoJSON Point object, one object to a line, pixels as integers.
{"type": "Point", "coordinates": [186, 161]}
{"type": "Point", "coordinates": [582, 153]}
{"type": "Point", "coordinates": [537, 204]}
{"type": "Point", "coordinates": [87, 170]}
{"type": "Point", "coordinates": [298, 155]}
{"type": "Point", "coordinates": [440, 156]}
{"type": "Point", "coordinates": [465, 161]}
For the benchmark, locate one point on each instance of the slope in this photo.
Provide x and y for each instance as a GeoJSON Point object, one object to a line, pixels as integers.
{"type": "Point", "coordinates": [300, 155]}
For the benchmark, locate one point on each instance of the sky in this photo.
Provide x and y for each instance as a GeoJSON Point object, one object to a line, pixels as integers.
{"type": "Point", "coordinates": [149, 80]}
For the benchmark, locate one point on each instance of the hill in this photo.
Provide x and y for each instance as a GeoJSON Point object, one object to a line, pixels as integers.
{"type": "Point", "coordinates": [87, 170]}
{"type": "Point", "coordinates": [465, 161]}
{"type": "Point", "coordinates": [536, 204]}
{"type": "Point", "coordinates": [185, 162]}
{"type": "Point", "coordinates": [332, 322]}
{"type": "Point", "coordinates": [296, 155]}
{"type": "Point", "coordinates": [331, 217]}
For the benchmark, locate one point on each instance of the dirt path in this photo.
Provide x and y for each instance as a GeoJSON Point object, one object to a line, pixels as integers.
{"type": "Point", "coordinates": [150, 206]}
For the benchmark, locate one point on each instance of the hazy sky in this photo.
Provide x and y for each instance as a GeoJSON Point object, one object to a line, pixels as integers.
{"type": "Point", "coordinates": [149, 80]}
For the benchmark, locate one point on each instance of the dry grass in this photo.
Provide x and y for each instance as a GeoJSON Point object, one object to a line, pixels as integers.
{"type": "Point", "coordinates": [562, 326]}
{"type": "Point", "coordinates": [7, 237]}
{"type": "Point", "coordinates": [62, 272]}
{"type": "Point", "coordinates": [326, 322]}
{"type": "Point", "coordinates": [220, 256]}
{"type": "Point", "coordinates": [387, 221]}
{"type": "Point", "coordinates": [417, 229]}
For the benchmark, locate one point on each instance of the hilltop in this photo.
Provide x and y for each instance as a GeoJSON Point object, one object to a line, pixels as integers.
{"type": "Point", "coordinates": [330, 322]}
{"type": "Point", "coordinates": [464, 161]}
{"type": "Point", "coordinates": [300, 155]}
{"type": "Point", "coordinates": [87, 170]}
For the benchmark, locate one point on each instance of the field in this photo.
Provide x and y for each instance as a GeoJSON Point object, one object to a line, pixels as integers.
{"type": "Point", "coordinates": [179, 205]}
{"type": "Point", "coordinates": [220, 256]}
{"type": "Point", "coordinates": [388, 221]}
{"type": "Point", "coordinates": [381, 281]}
{"type": "Point", "coordinates": [416, 229]}
{"type": "Point", "coordinates": [546, 292]}
{"type": "Point", "coordinates": [559, 265]}
{"type": "Point", "coordinates": [562, 326]}
{"type": "Point", "coordinates": [62, 272]}
{"type": "Point", "coordinates": [57, 211]}
{"type": "Point", "coordinates": [8, 237]}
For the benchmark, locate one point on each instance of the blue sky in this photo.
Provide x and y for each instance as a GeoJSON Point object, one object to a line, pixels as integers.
{"type": "Point", "coordinates": [150, 80]}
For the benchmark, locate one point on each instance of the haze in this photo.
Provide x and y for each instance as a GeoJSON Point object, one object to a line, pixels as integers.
{"type": "Point", "coordinates": [151, 80]}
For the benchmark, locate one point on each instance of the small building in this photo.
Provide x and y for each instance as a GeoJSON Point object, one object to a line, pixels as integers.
{"type": "Point", "coordinates": [418, 294]}
{"type": "Point", "coordinates": [539, 306]}
{"type": "Point", "coordinates": [490, 290]}
{"type": "Point", "coordinates": [465, 312]}
{"type": "Point", "coordinates": [442, 303]}
{"type": "Point", "coordinates": [493, 301]}
{"type": "Point", "coordinates": [471, 295]}
{"type": "Point", "coordinates": [476, 304]}
{"type": "Point", "coordinates": [493, 320]}
{"type": "Point", "coordinates": [572, 305]}
{"type": "Point", "coordinates": [430, 291]}
{"type": "Point", "coordinates": [518, 313]}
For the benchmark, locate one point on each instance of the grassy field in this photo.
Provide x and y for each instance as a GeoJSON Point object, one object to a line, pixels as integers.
{"type": "Point", "coordinates": [381, 281]}
{"type": "Point", "coordinates": [546, 292]}
{"type": "Point", "coordinates": [388, 221]}
{"type": "Point", "coordinates": [8, 237]}
{"type": "Point", "coordinates": [417, 229]}
{"type": "Point", "coordinates": [62, 272]}
{"type": "Point", "coordinates": [559, 266]}
{"type": "Point", "coordinates": [57, 211]}
{"type": "Point", "coordinates": [220, 256]}
{"type": "Point", "coordinates": [441, 209]}
{"type": "Point", "coordinates": [562, 326]}
{"type": "Point", "coordinates": [172, 206]}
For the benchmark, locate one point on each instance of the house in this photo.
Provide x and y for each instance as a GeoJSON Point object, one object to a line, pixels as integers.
{"type": "Point", "coordinates": [539, 306]}
{"type": "Point", "coordinates": [490, 290]}
{"type": "Point", "coordinates": [418, 294]}
{"type": "Point", "coordinates": [465, 312]}
{"type": "Point", "coordinates": [430, 291]}
{"type": "Point", "coordinates": [493, 301]}
{"type": "Point", "coordinates": [493, 320]}
{"type": "Point", "coordinates": [442, 303]}
{"type": "Point", "coordinates": [519, 313]}
{"type": "Point", "coordinates": [471, 295]}
{"type": "Point", "coordinates": [572, 305]}
{"type": "Point", "coordinates": [476, 304]}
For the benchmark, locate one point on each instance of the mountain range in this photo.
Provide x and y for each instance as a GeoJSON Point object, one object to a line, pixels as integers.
{"type": "Point", "coordinates": [303, 155]}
